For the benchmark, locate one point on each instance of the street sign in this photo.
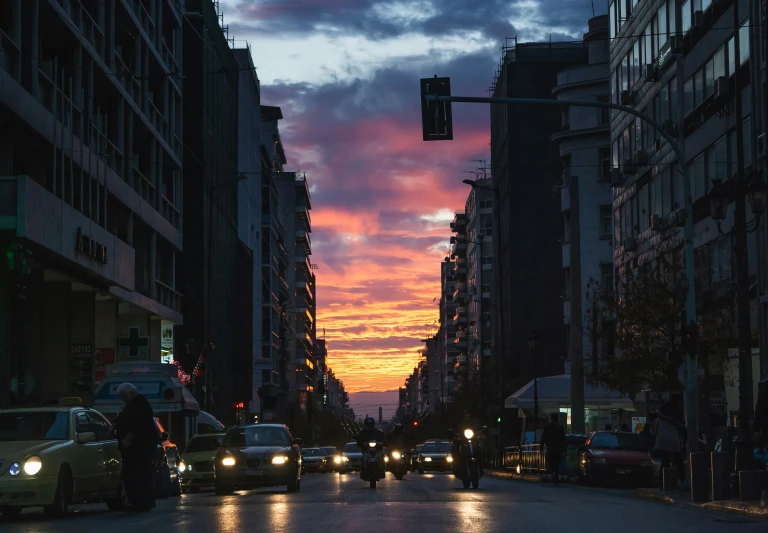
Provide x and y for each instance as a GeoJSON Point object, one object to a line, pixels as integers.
{"type": "Point", "coordinates": [436, 117]}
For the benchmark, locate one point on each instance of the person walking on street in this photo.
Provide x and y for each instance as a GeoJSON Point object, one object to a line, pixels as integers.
{"type": "Point", "coordinates": [553, 437]}
{"type": "Point", "coordinates": [669, 431]}
{"type": "Point", "coordinates": [138, 439]}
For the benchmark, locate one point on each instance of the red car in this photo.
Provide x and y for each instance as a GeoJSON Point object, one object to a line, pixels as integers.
{"type": "Point", "coordinates": [616, 456]}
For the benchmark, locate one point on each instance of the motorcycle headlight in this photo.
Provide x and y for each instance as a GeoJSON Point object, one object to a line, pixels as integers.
{"type": "Point", "coordinates": [279, 460]}
{"type": "Point", "coordinates": [449, 459]}
{"type": "Point", "coordinates": [228, 461]}
{"type": "Point", "coordinates": [396, 455]}
{"type": "Point", "coordinates": [468, 433]}
{"type": "Point", "coordinates": [427, 459]}
{"type": "Point", "coordinates": [386, 459]}
{"type": "Point", "coordinates": [182, 467]}
{"type": "Point", "coordinates": [14, 469]}
{"type": "Point", "coordinates": [33, 465]}
{"type": "Point", "coordinates": [371, 444]}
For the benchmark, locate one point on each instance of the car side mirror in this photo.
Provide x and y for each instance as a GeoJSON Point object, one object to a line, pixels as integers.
{"type": "Point", "coordinates": [298, 442]}
{"type": "Point", "coordinates": [86, 437]}
{"type": "Point", "coordinates": [164, 436]}
{"type": "Point", "coordinates": [484, 428]}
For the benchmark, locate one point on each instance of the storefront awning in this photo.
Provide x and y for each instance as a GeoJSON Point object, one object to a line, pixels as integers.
{"type": "Point", "coordinates": [164, 391]}
{"type": "Point", "coordinates": [555, 393]}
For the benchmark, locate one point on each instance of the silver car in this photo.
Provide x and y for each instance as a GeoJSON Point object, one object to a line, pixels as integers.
{"type": "Point", "coordinates": [258, 455]}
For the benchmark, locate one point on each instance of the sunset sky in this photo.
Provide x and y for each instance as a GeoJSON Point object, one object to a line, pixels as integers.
{"type": "Point", "coordinates": [345, 73]}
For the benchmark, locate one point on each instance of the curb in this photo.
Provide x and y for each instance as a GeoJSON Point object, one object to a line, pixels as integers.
{"type": "Point", "coordinates": [754, 510]}
{"type": "Point", "coordinates": [654, 495]}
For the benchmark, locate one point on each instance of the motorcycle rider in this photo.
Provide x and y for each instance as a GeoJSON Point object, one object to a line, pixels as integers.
{"type": "Point", "coordinates": [468, 421]}
{"type": "Point", "coordinates": [368, 434]}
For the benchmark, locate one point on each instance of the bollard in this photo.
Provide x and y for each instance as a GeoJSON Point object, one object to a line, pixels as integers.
{"type": "Point", "coordinates": [748, 486]}
{"type": "Point", "coordinates": [669, 477]}
{"type": "Point", "coordinates": [721, 476]}
{"type": "Point", "coordinates": [699, 474]}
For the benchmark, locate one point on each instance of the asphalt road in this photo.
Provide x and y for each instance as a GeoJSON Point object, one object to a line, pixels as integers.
{"type": "Point", "coordinates": [428, 503]}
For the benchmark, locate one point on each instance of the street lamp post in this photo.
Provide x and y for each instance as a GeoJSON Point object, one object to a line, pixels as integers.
{"type": "Point", "coordinates": [443, 117]}
{"type": "Point", "coordinates": [533, 345]}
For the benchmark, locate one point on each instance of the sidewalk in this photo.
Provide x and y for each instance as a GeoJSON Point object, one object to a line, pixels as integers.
{"type": "Point", "coordinates": [751, 509]}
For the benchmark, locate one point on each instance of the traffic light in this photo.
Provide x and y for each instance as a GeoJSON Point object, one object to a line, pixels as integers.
{"type": "Point", "coordinates": [239, 405]}
{"type": "Point", "coordinates": [498, 420]}
{"type": "Point", "coordinates": [436, 117]}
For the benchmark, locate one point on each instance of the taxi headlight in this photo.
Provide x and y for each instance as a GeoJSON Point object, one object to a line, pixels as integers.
{"type": "Point", "coordinates": [468, 433]}
{"type": "Point", "coordinates": [14, 469]}
{"type": "Point", "coordinates": [279, 460]}
{"type": "Point", "coordinates": [449, 459]}
{"type": "Point", "coordinates": [182, 467]}
{"type": "Point", "coordinates": [33, 465]}
{"type": "Point", "coordinates": [396, 455]}
{"type": "Point", "coordinates": [337, 460]}
{"type": "Point", "coordinates": [427, 459]}
{"type": "Point", "coordinates": [228, 461]}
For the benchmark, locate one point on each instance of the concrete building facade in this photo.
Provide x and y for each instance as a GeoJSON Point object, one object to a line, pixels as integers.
{"type": "Point", "coordinates": [585, 191]}
{"type": "Point", "coordinates": [91, 191]}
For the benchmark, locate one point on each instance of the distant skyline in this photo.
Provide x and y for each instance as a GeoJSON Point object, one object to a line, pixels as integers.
{"type": "Point", "coordinates": [345, 73]}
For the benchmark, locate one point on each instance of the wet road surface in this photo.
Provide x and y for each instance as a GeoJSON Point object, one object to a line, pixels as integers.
{"type": "Point", "coordinates": [426, 503]}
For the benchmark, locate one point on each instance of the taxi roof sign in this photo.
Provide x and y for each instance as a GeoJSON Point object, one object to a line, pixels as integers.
{"type": "Point", "coordinates": [70, 401]}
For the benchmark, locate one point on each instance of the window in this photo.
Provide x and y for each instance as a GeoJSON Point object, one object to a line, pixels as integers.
{"type": "Point", "coordinates": [614, 96]}
{"type": "Point", "coordinates": [655, 32]}
{"type": "Point", "coordinates": [678, 196]}
{"type": "Point", "coordinates": [612, 19]}
{"type": "Point", "coordinates": [99, 426]}
{"type": "Point", "coordinates": [605, 164]}
{"type": "Point", "coordinates": [486, 204]}
{"type": "Point", "coordinates": [624, 74]}
{"type": "Point", "coordinates": [662, 25]}
{"type": "Point", "coordinates": [606, 221]}
{"type": "Point", "coordinates": [606, 277]}
{"type": "Point", "coordinates": [688, 105]}
{"type": "Point", "coordinates": [731, 57]}
{"type": "Point", "coordinates": [686, 8]}
{"type": "Point", "coordinates": [631, 67]}
{"type": "Point", "coordinates": [698, 88]}
{"type": "Point", "coordinates": [720, 259]}
{"type": "Point", "coordinates": [636, 60]}
{"type": "Point", "coordinates": [82, 424]}
{"type": "Point", "coordinates": [721, 160]}
{"type": "Point", "coordinates": [663, 104]}
{"type": "Point", "coordinates": [617, 227]}
{"type": "Point", "coordinates": [673, 99]}
{"type": "Point", "coordinates": [638, 135]}
{"type": "Point", "coordinates": [747, 134]}
{"type": "Point", "coordinates": [566, 118]}
{"type": "Point", "coordinates": [34, 425]}
{"type": "Point", "coordinates": [671, 17]}
{"type": "Point", "coordinates": [656, 205]}
{"type": "Point", "coordinates": [647, 40]}
{"type": "Point", "coordinates": [744, 42]}
{"type": "Point", "coordinates": [709, 78]}
{"type": "Point", "coordinates": [486, 288]}
{"type": "Point", "coordinates": [487, 260]}
{"type": "Point", "coordinates": [719, 62]}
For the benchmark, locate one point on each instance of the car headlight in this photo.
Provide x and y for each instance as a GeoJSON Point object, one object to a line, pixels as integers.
{"type": "Point", "coordinates": [279, 460]}
{"type": "Point", "coordinates": [449, 459]}
{"type": "Point", "coordinates": [337, 460]}
{"type": "Point", "coordinates": [228, 461]}
{"type": "Point", "coordinates": [14, 469]}
{"type": "Point", "coordinates": [181, 467]}
{"type": "Point", "coordinates": [427, 459]}
{"type": "Point", "coordinates": [345, 459]}
{"type": "Point", "coordinates": [598, 460]}
{"type": "Point", "coordinates": [396, 455]}
{"type": "Point", "coordinates": [33, 465]}
{"type": "Point", "coordinates": [371, 444]}
{"type": "Point", "coordinates": [468, 433]}
{"type": "Point", "coordinates": [386, 459]}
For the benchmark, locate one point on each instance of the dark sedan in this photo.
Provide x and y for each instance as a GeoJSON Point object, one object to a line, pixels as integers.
{"type": "Point", "coordinates": [258, 455]}
{"type": "Point", "coordinates": [435, 456]}
{"type": "Point", "coordinates": [313, 460]}
{"type": "Point", "coordinates": [616, 456]}
{"type": "Point", "coordinates": [332, 458]}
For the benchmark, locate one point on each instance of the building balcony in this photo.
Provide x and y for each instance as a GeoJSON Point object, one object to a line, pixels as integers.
{"type": "Point", "coordinates": [302, 263]}
{"type": "Point", "coordinates": [459, 223]}
{"type": "Point", "coordinates": [461, 312]}
{"type": "Point", "coordinates": [305, 363]}
{"type": "Point", "coordinates": [461, 290]}
{"type": "Point", "coordinates": [303, 288]}
{"type": "Point", "coordinates": [461, 361]}
{"type": "Point", "coordinates": [458, 247]}
{"type": "Point", "coordinates": [302, 211]}
{"type": "Point", "coordinates": [461, 261]}
{"type": "Point", "coordinates": [461, 273]}
{"type": "Point", "coordinates": [303, 240]}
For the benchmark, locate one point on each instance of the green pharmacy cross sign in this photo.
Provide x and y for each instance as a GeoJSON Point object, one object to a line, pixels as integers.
{"type": "Point", "coordinates": [18, 258]}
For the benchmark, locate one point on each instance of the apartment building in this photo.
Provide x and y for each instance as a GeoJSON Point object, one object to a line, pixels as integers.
{"type": "Point", "coordinates": [91, 191]}
{"type": "Point", "coordinates": [447, 332]}
{"type": "Point", "coordinates": [585, 192]}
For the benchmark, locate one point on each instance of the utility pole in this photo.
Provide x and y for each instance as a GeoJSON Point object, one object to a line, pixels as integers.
{"type": "Point", "coordinates": [577, 337]}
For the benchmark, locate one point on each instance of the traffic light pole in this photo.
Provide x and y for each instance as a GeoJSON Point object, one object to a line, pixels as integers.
{"type": "Point", "coordinates": [436, 121]}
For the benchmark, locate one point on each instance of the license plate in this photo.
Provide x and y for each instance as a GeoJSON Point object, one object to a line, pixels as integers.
{"type": "Point", "coordinates": [258, 472]}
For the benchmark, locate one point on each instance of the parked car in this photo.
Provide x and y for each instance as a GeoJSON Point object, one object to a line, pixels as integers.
{"type": "Point", "coordinates": [615, 456]}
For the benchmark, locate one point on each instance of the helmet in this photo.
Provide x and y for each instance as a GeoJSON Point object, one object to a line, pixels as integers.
{"type": "Point", "coordinates": [369, 423]}
{"type": "Point", "coordinates": [398, 428]}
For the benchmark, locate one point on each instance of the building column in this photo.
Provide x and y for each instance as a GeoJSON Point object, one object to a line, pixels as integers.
{"type": "Point", "coordinates": [31, 38]}
{"type": "Point", "coordinates": [110, 31]}
{"type": "Point", "coordinates": [153, 265]}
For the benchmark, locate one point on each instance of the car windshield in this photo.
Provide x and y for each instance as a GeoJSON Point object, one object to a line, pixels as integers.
{"type": "Point", "coordinates": [257, 436]}
{"type": "Point", "coordinates": [209, 443]}
{"type": "Point", "coordinates": [311, 452]}
{"type": "Point", "coordinates": [618, 441]}
{"type": "Point", "coordinates": [436, 447]}
{"type": "Point", "coordinates": [45, 425]}
{"type": "Point", "coordinates": [351, 447]}
{"type": "Point", "coordinates": [329, 450]}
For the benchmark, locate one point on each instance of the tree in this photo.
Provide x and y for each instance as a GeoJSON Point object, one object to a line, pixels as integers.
{"type": "Point", "coordinates": [638, 324]}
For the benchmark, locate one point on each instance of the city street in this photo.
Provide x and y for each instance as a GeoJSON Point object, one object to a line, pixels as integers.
{"type": "Point", "coordinates": [419, 503]}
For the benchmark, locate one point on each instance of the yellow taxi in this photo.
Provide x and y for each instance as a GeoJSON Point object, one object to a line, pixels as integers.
{"type": "Point", "coordinates": [56, 456]}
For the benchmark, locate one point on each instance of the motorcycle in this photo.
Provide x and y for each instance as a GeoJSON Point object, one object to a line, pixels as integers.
{"type": "Point", "coordinates": [398, 463]}
{"type": "Point", "coordinates": [468, 469]}
{"type": "Point", "coordinates": [373, 462]}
